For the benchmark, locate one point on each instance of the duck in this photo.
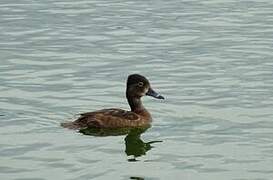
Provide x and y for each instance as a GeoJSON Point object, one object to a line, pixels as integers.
{"type": "Point", "coordinates": [137, 86]}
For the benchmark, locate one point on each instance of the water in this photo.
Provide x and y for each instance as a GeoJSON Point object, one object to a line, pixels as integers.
{"type": "Point", "coordinates": [212, 60]}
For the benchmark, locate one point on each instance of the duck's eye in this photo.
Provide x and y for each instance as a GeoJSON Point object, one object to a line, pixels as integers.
{"type": "Point", "coordinates": [140, 84]}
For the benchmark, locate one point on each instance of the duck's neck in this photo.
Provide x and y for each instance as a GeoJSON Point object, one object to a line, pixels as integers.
{"type": "Point", "coordinates": [135, 104]}
{"type": "Point", "coordinates": [137, 107]}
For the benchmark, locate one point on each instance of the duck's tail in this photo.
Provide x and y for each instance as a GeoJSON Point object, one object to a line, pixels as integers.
{"type": "Point", "coordinates": [70, 125]}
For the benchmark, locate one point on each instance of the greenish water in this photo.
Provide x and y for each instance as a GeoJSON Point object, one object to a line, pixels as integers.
{"type": "Point", "coordinates": [212, 60]}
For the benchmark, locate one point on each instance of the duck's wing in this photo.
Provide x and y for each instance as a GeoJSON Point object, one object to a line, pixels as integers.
{"type": "Point", "coordinates": [108, 118]}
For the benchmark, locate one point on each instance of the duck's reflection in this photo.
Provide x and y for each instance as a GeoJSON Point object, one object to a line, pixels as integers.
{"type": "Point", "coordinates": [134, 145]}
{"type": "Point", "coordinates": [137, 178]}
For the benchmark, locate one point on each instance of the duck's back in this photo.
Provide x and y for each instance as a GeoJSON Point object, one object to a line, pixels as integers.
{"type": "Point", "coordinates": [110, 118]}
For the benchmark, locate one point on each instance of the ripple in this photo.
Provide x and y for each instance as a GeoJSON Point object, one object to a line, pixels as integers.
{"type": "Point", "coordinates": [23, 149]}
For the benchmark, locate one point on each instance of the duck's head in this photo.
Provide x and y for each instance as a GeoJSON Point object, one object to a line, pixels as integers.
{"type": "Point", "coordinates": [138, 86]}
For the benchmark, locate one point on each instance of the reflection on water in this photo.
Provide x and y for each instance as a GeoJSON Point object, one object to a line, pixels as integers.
{"type": "Point", "coordinates": [137, 178]}
{"type": "Point", "coordinates": [134, 145]}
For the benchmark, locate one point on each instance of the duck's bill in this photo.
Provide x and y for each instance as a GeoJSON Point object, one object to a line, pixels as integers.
{"type": "Point", "coordinates": [154, 94]}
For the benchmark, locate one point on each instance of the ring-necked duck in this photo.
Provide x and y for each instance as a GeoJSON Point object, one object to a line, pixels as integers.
{"type": "Point", "coordinates": [137, 86]}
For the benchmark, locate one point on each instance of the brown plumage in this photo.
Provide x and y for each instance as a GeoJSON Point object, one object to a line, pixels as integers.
{"type": "Point", "coordinates": [137, 86]}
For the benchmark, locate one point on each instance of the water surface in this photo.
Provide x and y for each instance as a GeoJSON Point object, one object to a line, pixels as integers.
{"type": "Point", "coordinates": [212, 60]}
